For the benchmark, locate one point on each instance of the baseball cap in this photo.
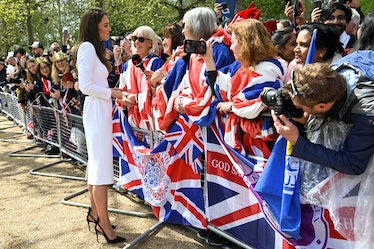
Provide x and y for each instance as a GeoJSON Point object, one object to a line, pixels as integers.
{"type": "Point", "coordinates": [36, 45]}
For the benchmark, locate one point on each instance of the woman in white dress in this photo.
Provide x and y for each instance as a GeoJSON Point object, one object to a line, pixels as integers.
{"type": "Point", "coordinates": [92, 69]}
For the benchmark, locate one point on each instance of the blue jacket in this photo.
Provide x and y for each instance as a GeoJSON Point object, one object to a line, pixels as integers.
{"type": "Point", "coordinates": [358, 147]}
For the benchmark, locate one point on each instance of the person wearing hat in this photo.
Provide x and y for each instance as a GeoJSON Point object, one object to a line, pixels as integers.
{"type": "Point", "coordinates": [60, 66]}
{"type": "Point", "coordinates": [37, 49]}
{"type": "Point", "coordinates": [64, 80]}
{"type": "Point", "coordinates": [67, 97]}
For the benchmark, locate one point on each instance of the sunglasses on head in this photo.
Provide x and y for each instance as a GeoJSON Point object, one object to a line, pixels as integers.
{"type": "Point", "coordinates": [178, 26]}
{"type": "Point", "coordinates": [139, 38]}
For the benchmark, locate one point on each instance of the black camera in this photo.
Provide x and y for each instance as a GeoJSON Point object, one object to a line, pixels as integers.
{"type": "Point", "coordinates": [279, 101]}
{"type": "Point", "coordinates": [117, 40]}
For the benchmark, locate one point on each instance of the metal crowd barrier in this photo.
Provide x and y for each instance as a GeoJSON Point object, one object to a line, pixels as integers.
{"type": "Point", "coordinates": [65, 131]}
{"type": "Point", "coordinates": [6, 107]}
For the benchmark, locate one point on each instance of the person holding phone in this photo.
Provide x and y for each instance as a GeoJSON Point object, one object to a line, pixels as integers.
{"type": "Point", "coordinates": [93, 68]}
{"type": "Point", "coordinates": [295, 13]}
{"type": "Point", "coordinates": [188, 73]}
{"type": "Point", "coordinates": [239, 88]}
{"type": "Point", "coordinates": [218, 8]}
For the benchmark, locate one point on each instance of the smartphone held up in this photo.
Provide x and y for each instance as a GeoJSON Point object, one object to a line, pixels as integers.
{"type": "Point", "coordinates": [317, 4]}
{"type": "Point", "coordinates": [196, 47]}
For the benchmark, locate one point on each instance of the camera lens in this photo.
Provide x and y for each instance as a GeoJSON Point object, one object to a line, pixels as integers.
{"type": "Point", "coordinates": [268, 97]}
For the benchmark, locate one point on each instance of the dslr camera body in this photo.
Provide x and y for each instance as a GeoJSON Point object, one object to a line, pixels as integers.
{"type": "Point", "coordinates": [279, 101]}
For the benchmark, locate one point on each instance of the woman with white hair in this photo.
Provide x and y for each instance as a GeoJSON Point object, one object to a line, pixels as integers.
{"type": "Point", "coordinates": [191, 95]}
{"type": "Point", "coordinates": [135, 77]}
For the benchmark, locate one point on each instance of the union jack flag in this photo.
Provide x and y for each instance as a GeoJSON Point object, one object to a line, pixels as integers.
{"type": "Point", "coordinates": [128, 149]}
{"type": "Point", "coordinates": [231, 205]}
{"type": "Point", "coordinates": [303, 226]}
{"type": "Point", "coordinates": [186, 138]}
{"type": "Point", "coordinates": [159, 176]}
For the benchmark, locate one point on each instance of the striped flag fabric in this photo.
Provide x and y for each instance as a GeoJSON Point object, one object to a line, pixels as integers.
{"type": "Point", "coordinates": [186, 138]}
{"type": "Point", "coordinates": [158, 176]}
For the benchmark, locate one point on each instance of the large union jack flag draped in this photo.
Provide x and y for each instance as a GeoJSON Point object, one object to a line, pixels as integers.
{"type": "Point", "coordinates": [231, 205]}
{"type": "Point", "coordinates": [159, 176]}
{"type": "Point", "coordinates": [186, 138]}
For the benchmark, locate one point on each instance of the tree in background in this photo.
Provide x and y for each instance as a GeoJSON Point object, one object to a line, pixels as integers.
{"type": "Point", "coordinates": [23, 22]}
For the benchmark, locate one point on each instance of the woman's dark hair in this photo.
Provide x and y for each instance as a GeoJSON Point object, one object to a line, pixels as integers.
{"type": "Point", "coordinates": [88, 31]}
{"type": "Point", "coordinates": [39, 62]}
{"type": "Point", "coordinates": [281, 36]}
{"type": "Point", "coordinates": [327, 37]}
{"type": "Point", "coordinates": [285, 22]}
{"type": "Point", "coordinates": [366, 39]}
{"type": "Point", "coordinates": [20, 50]}
{"type": "Point", "coordinates": [174, 31]}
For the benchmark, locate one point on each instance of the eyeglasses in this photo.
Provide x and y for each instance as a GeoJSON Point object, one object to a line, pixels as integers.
{"type": "Point", "coordinates": [338, 17]}
{"type": "Point", "coordinates": [139, 38]}
{"type": "Point", "coordinates": [293, 87]}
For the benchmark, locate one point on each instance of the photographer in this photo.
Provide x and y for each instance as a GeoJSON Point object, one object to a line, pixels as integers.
{"type": "Point", "coordinates": [323, 93]}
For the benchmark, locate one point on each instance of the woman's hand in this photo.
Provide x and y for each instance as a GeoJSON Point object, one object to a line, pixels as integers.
{"type": "Point", "coordinates": [29, 87]}
{"type": "Point", "coordinates": [179, 52]}
{"type": "Point", "coordinates": [178, 105]}
{"type": "Point", "coordinates": [288, 11]}
{"type": "Point", "coordinates": [158, 76]}
{"type": "Point", "coordinates": [56, 94]}
{"type": "Point", "coordinates": [128, 99]}
{"type": "Point", "coordinates": [117, 53]}
{"type": "Point", "coordinates": [316, 14]}
{"type": "Point", "coordinates": [218, 9]}
{"type": "Point", "coordinates": [208, 56]}
{"type": "Point", "coordinates": [285, 127]}
{"type": "Point", "coordinates": [116, 93]}
{"type": "Point", "coordinates": [224, 107]}
{"type": "Point", "coordinates": [148, 74]}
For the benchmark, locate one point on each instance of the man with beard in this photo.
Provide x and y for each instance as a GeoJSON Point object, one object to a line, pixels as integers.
{"type": "Point", "coordinates": [338, 15]}
{"type": "Point", "coordinates": [37, 49]}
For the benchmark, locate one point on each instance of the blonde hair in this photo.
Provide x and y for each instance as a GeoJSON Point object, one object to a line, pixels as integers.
{"type": "Point", "coordinates": [56, 71]}
{"type": "Point", "coordinates": [149, 33]}
{"type": "Point", "coordinates": [255, 42]}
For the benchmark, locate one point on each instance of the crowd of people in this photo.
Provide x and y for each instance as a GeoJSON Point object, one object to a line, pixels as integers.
{"type": "Point", "coordinates": [155, 81]}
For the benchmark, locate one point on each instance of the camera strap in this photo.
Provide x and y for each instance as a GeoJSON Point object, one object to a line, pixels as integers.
{"type": "Point", "coordinates": [325, 122]}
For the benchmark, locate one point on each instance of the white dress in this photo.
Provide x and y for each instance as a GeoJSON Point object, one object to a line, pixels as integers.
{"type": "Point", "coordinates": [97, 115]}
